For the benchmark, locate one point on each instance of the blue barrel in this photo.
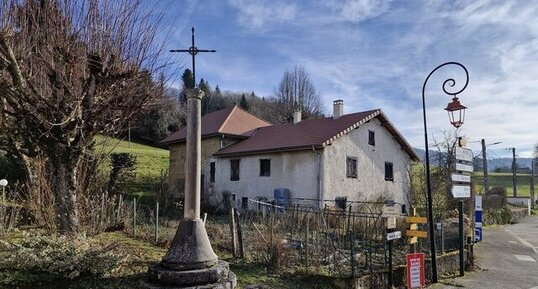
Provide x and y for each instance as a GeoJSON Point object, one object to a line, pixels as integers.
{"type": "Point", "coordinates": [282, 197]}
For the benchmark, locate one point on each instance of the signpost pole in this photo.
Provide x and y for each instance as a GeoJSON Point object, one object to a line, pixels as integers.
{"type": "Point", "coordinates": [391, 280]}
{"type": "Point", "coordinates": [461, 239]}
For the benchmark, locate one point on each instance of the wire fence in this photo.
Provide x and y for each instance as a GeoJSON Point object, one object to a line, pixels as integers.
{"type": "Point", "coordinates": [326, 237]}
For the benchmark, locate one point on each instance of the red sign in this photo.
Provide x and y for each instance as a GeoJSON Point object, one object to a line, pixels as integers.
{"type": "Point", "coordinates": [415, 270]}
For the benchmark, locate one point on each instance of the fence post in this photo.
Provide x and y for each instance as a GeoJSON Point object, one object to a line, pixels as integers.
{"type": "Point", "coordinates": [306, 244]}
{"type": "Point", "coordinates": [239, 236]}
{"type": "Point", "coordinates": [233, 231]}
{"type": "Point", "coordinates": [157, 222]}
{"type": "Point", "coordinates": [134, 217]}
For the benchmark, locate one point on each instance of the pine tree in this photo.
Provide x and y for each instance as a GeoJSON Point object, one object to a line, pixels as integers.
{"type": "Point", "coordinates": [244, 103]}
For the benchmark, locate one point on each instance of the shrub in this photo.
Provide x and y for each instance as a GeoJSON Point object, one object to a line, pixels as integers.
{"type": "Point", "coordinates": [39, 258]}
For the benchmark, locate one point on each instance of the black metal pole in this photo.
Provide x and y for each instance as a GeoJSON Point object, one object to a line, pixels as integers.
{"type": "Point", "coordinates": [391, 279]}
{"type": "Point", "coordinates": [193, 52]}
{"type": "Point", "coordinates": [462, 240]}
{"type": "Point", "coordinates": [450, 82]}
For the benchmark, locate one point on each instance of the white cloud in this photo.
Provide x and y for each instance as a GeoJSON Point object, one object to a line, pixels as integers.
{"type": "Point", "coordinates": [358, 10]}
{"type": "Point", "coordinates": [257, 14]}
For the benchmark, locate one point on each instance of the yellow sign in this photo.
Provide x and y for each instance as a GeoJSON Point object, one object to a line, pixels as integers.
{"type": "Point", "coordinates": [417, 220]}
{"type": "Point", "coordinates": [420, 234]}
{"type": "Point", "coordinates": [413, 227]}
{"type": "Point", "coordinates": [413, 240]}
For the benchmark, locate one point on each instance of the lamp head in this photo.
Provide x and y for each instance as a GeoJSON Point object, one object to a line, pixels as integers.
{"type": "Point", "coordinates": [456, 112]}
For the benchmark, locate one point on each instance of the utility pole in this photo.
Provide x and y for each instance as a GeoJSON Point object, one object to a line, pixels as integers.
{"type": "Point", "coordinates": [514, 168]}
{"type": "Point", "coordinates": [485, 166]}
{"type": "Point", "coordinates": [532, 182]}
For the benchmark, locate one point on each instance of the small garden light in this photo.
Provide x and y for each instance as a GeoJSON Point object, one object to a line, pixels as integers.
{"type": "Point", "coordinates": [3, 184]}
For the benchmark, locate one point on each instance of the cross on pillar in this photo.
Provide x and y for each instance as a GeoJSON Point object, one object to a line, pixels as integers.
{"type": "Point", "coordinates": [193, 50]}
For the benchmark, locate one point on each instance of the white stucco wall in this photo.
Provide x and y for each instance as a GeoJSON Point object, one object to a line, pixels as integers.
{"type": "Point", "coordinates": [370, 181]}
{"type": "Point", "coordinates": [296, 171]}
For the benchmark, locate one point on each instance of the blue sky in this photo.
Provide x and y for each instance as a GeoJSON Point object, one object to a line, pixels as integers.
{"type": "Point", "coordinates": [377, 54]}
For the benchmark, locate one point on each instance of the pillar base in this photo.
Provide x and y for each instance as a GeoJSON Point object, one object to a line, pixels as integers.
{"type": "Point", "coordinates": [190, 248]}
{"type": "Point", "coordinates": [216, 277]}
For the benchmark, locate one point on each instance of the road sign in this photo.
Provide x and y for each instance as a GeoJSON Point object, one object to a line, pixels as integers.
{"type": "Point", "coordinates": [461, 191]}
{"type": "Point", "coordinates": [417, 220]}
{"type": "Point", "coordinates": [420, 234]}
{"type": "Point", "coordinates": [461, 178]}
{"type": "Point", "coordinates": [478, 219]}
{"type": "Point", "coordinates": [391, 211]}
{"type": "Point", "coordinates": [394, 235]}
{"type": "Point", "coordinates": [463, 154]}
{"type": "Point", "coordinates": [391, 223]}
{"type": "Point", "coordinates": [464, 167]}
{"type": "Point", "coordinates": [415, 270]}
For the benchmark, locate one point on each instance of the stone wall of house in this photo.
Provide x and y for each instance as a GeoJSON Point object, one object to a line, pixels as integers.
{"type": "Point", "coordinates": [370, 182]}
{"type": "Point", "coordinates": [296, 171]}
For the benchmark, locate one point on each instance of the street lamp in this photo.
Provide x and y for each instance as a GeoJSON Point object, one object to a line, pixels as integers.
{"type": "Point", "coordinates": [456, 114]}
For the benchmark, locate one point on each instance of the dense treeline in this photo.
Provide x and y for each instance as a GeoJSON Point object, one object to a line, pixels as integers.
{"type": "Point", "coordinates": [168, 113]}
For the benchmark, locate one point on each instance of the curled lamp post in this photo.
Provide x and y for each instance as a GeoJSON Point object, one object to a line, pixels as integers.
{"type": "Point", "coordinates": [456, 114]}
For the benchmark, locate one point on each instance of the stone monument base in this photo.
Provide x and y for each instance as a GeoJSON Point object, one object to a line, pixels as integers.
{"type": "Point", "coordinates": [215, 277]}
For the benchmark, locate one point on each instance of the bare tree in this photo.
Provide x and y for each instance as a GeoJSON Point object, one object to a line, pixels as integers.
{"type": "Point", "coordinates": [296, 91]}
{"type": "Point", "coordinates": [70, 70]}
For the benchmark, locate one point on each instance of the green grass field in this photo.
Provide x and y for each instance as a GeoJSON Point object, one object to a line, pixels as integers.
{"type": "Point", "coordinates": [152, 163]}
{"type": "Point", "coordinates": [504, 180]}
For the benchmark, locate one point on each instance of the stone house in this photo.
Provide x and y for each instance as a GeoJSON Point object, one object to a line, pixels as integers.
{"type": "Point", "coordinates": [219, 129]}
{"type": "Point", "coordinates": [358, 156]}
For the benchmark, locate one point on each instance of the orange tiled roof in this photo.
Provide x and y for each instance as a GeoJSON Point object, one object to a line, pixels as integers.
{"type": "Point", "coordinates": [230, 121]}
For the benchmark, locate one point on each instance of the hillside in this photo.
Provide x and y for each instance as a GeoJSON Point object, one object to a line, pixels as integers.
{"type": "Point", "coordinates": [504, 180]}
{"type": "Point", "coordinates": [152, 163]}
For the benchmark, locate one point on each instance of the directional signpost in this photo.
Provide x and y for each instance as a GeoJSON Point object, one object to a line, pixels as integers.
{"type": "Point", "coordinates": [390, 212]}
{"type": "Point", "coordinates": [461, 189]}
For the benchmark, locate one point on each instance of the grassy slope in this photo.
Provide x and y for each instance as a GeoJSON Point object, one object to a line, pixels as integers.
{"type": "Point", "coordinates": [504, 180]}
{"type": "Point", "coordinates": [152, 162]}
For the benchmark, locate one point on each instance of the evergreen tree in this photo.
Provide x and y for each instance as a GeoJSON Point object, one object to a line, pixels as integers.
{"type": "Point", "coordinates": [206, 100]}
{"type": "Point", "coordinates": [188, 80]}
{"type": "Point", "coordinates": [244, 103]}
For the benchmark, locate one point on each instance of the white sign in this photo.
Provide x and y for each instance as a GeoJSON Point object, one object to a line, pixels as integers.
{"type": "Point", "coordinates": [463, 154]}
{"type": "Point", "coordinates": [391, 223]}
{"type": "Point", "coordinates": [391, 211]}
{"type": "Point", "coordinates": [394, 235]}
{"type": "Point", "coordinates": [478, 203]}
{"type": "Point", "coordinates": [461, 191]}
{"type": "Point", "coordinates": [461, 178]}
{"type": "Point", "coordinates": [464, 168]}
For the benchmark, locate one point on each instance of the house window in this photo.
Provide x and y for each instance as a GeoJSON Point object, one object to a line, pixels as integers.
{"type": "Point", "coordinates": [234, 170]}
{"type": "Point", "coordinates": [351, 167]}
{"type": "Point", "coordinates": [371, 138]}
{"type": "Point", "coordinates": [389, 174]}
{"type": "Point", "coordinates": [265, 167]}
{"type": "Point", "coordinates": [212, 172]}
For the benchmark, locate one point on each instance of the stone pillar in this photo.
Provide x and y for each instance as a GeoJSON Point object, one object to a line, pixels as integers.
{"type": "Point", "coordinates": [193, 155]}
{"type": "Point", "coordinates": [190, 261]}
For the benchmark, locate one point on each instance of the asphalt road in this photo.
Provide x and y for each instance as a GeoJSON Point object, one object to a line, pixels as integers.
{"type": "Point", "coordinates": [507, 258]}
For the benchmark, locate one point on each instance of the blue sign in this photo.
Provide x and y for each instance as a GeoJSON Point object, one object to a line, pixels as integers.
{"type": "Point", "coordinates": [478, 219]}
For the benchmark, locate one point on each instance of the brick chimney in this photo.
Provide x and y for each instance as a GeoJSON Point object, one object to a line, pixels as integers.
{"type": "Point", "coordinates": [338, 108]}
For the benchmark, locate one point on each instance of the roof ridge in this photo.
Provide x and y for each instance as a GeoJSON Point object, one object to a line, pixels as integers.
{"type": "Point", "coordinates": [227, 118]}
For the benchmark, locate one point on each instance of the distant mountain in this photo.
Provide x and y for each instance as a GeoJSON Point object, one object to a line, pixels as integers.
{"type": "Point", "coordinates": [493, 164]}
